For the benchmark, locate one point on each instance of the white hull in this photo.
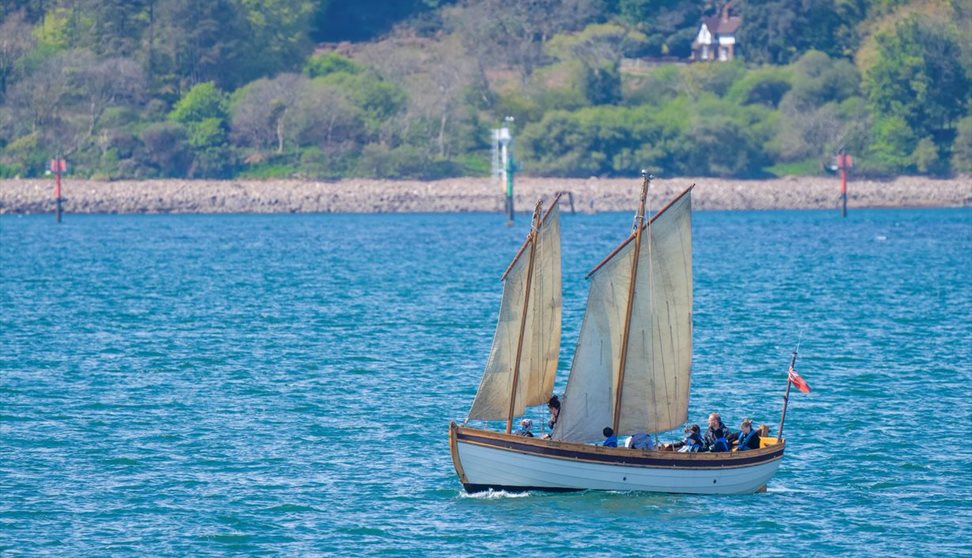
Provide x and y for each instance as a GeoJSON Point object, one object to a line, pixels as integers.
{"type": "Point", "coordinates": [492, 460]}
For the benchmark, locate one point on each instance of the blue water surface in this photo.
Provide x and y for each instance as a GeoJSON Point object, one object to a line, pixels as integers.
{"type": "Point", "coordinates": [282, 385]}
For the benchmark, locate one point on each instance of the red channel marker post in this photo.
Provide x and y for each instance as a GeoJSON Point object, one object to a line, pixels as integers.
{"type": "Point", "coordinates": [58, 166]}
{"type": "Point", "coordinates": [844, 162]}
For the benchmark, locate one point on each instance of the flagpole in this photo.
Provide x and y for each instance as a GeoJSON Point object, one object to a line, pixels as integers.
{"type": "Point", "coordinates": [786, 396]}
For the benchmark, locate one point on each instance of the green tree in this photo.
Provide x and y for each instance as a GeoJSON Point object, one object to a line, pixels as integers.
{"type": "Point", "coordinates": [24, 156]}
{"type": "Point", "coordinates": [321, 65]}
{"type": "Point", "coordinates": [202, 101]}
{"type": "Point", "coordinates": [598, 49]}
{"type": "Point", "coordinates": [717, 79]}
{"type": "Point", "coordinates": [926, 157]}
{"type": "Point", "coordinates": [814, 121]}
{"type": "Point", "coordinates": [818, 79]}
{"type": "Point", "coordinates": [918, 76]}
{"type": "Point", "coordinates": [765, 86]}
{"type": "Point", "coordinates": [661, 84]}
{"type": "Point", "coordinates": [377, 99]}
{"type": "Point", "coordinates": [778, 31]}
{"type": "Point", "coordinates": [277, 35]}
{"type": "Point", "coordinates": [117, 25]}
{"type": "Point", "coordinates": [207, 133]}
{"type": "Point", "coordinates": [891, 151]}
{"type": "Point", "coordinates": [962, 148]}
{"type": "Point", "coordinates": [203, 113]}
{"type": "Point", "coordinates": [513, 34]}
{"type": "Point", "coordinates": [33, 10]}
{"type": "Point", "coordinates": [325, 115]}
{"type": "Point", "coordinates": [260, 112]}
{"type": "Point", "coordinates": [63, 102]}
{"type": "Point", "coordinates": [705, 137]}
{"type": "Point", "coordinates": [669, 25]}
{"type": "Point", "coordinates": [17, 41]}
{"type": "Point", "coordinates": [55, 32]}
{"type": "Point", "coordinates": [166, 150]}
{"type": "Point", "coordinates": [189, 42]}
{"type": "Point", "coordinates": [724, 139]}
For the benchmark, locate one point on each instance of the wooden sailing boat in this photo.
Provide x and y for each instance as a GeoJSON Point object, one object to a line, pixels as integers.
{"type": "Point", "coordinates": [631, 371]}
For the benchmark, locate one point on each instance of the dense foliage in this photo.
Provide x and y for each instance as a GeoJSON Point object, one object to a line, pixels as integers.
{"type": "Point", "coordinates": [180, 88]}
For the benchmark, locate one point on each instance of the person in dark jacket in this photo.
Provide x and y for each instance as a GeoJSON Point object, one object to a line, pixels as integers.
{"type": "Point", "coordinates": [611, 441]}
{"type": "Point", "coordinates": [554, 407]}
{"type": "Point", "coordinates": [748, 438]}
{"type": "Point", "coordinates": [691, 443]}
{"type": "Point", "coordinates": [716, 437]}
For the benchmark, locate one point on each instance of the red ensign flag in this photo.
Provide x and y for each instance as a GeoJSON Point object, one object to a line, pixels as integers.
{"type": "Point", "coordinates": [798, 381]}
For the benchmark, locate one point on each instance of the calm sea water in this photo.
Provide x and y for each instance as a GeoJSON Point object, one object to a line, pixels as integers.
{"type": "Point", "coordinates": [254, 385]}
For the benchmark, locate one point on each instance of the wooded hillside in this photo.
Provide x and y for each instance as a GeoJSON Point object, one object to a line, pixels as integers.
{"type": "Point", "coordinates": [411, 88]}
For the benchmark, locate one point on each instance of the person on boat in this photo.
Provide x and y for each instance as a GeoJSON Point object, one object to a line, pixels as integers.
{"type": "Point", "coordinates": [611, 441]}
{"type": "Point", "coordinates": [732, 438]}
{"type": "Point", "coordinates": [524, 430]}
{"type": "Point", "coordinates": [717, 436]}
{"type": "Point", "coordinates": [748, 437]}
{"type": "Point", "coordinates": [554, 407]}
{"type": "Point", "coordinates": [692, 442]}
{"type": "Point", "coordinates": [640, 440]}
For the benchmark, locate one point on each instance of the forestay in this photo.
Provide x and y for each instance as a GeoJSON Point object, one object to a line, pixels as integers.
{"type": "Point", "coordinates": [541, 333]}
{"type": "Point", "coordinates": [655, 393]}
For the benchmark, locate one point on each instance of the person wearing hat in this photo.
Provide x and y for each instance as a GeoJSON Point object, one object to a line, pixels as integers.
{"type": "Point", "coordinates": [525, 426]}
{"type": "Point", "coordinates": [748, 438]}
{"type": "Point", "coordinates": [692, 442]}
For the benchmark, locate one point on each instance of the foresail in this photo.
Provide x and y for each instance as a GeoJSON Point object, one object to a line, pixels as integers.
{"type": "Point", "coordinates": [541, 334]}
{"type": "Point", "coordinates": [658, 363]}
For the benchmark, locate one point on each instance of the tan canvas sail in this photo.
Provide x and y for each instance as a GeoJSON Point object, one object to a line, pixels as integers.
{"type": "Point", "coordinates": [655, 391]}
{"type": "Point", "coordinates": [540, 348]}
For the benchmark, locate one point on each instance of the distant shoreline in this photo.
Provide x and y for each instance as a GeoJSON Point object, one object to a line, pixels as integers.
{"type": "Point", "coordinates": [466, 194]}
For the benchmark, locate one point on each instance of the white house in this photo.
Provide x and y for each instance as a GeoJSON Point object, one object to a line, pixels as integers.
{"type": "Point", "coordinates": [717, 37]}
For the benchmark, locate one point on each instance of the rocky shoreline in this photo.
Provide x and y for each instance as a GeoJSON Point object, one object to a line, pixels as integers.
{"type": "Point", "coordinates": [465, 194]}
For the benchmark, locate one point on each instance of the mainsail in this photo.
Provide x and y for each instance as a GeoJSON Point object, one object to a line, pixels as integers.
{"type": "Point", "coordinates": [657, 364]}
{"type": "Point", "coordinates": [537, 314]}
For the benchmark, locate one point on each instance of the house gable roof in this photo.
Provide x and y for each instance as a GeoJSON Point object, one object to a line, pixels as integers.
{"type": "Point", "coordinates": [719, 25]}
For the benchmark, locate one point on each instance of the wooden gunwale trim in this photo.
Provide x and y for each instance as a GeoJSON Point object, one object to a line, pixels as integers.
{"type": "Point", "coordinates": [454, 450]}
{"type": "Point", "coordinates": [632, 235]}
{"type": "Point", "coordinates": [571, 451]}
{"type": "Point", "coordinates": [527, 241]}
{"type": "Point", "coordinates": [634, 460]}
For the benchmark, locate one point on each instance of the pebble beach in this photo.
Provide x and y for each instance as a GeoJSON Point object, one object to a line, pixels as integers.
{"type": "Point", "coordinates": [466, 194]}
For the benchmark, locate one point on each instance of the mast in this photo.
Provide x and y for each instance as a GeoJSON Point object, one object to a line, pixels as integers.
{"type": "Point", "coordinates": [786, 396]}
{"type": "Point", "coordinates": [635, 254]}
{"type": "Point", "coordinates": [532, 240]}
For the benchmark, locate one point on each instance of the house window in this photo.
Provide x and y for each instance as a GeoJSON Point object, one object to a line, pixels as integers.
{"type": "Point", "coordinates": [723, 53]}
{"type": "Point", "coordinates": [705, 52]}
